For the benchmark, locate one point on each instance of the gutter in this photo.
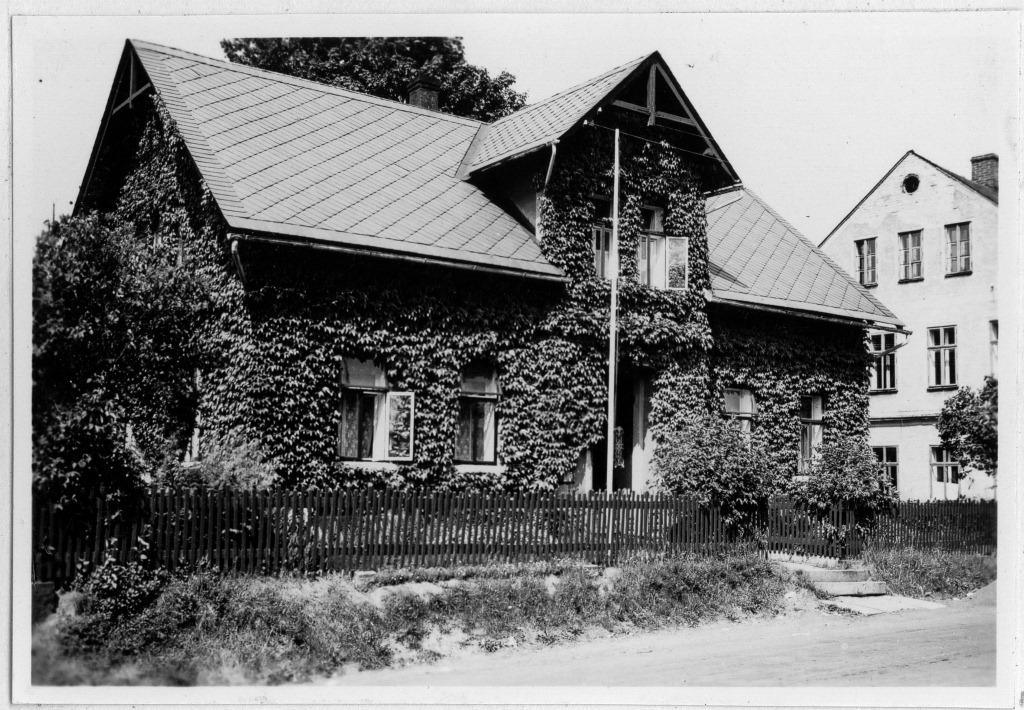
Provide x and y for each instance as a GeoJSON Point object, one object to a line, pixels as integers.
{"type": "Point", "coordinates": [711, 298]}
{"type": "Point", "coordinates": [551, 163]}
{"type": "Point", "coordinates": [337, 248]}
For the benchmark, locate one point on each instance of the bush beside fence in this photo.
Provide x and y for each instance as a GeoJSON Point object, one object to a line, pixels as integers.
{"type": "Point", "coordinates": [317, 531]}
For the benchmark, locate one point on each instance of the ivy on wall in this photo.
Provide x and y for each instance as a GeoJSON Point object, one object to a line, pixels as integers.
{"type": "Point", "coordinates": [270, 352]}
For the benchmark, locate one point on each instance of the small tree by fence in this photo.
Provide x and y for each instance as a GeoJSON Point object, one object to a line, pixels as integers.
{"type": "Point", "coordinates": [310, 532]}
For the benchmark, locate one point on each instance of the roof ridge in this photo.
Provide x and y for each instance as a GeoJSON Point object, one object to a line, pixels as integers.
{"type": "Point", "coordinates": [575, 87]}
{"type": "Point", "coordinates": [298, 81]}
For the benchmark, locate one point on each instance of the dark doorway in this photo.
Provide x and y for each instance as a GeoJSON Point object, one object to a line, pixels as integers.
{"type": "Point", "coordinates": [622, 478]}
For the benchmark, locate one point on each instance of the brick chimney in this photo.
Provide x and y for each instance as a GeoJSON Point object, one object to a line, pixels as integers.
{"type": "Point", "coordinates": [423, 91]}
{"type": "Point", "coordinates": [985, 170]}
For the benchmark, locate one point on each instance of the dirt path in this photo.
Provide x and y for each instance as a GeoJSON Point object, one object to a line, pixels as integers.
{"type": "Point", "coordinates": [953, 646]}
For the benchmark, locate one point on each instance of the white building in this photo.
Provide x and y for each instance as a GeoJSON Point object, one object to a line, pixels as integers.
{"type": "Point", "coordinates": [924, 239]}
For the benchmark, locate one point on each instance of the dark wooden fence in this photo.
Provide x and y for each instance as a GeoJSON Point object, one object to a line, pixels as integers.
{"type": "Point", "coordinates": [271, 532]}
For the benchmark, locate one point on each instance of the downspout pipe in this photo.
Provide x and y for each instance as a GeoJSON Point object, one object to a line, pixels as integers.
{"type": "Point", "coordinates": [551, 163]}
{"type": "Point", "coordinates": [237, 258]}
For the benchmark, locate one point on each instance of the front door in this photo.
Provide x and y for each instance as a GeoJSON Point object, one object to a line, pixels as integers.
{"type": "Point", "coordinates": [629, 449]}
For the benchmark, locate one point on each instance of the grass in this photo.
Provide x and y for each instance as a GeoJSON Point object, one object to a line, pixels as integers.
{"type": "Point", "coordinates": [203, 628]}
{"type": "Point", "coordinates": [930, 573]}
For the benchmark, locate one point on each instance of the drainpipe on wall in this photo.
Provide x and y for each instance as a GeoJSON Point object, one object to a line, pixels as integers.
{"type": "Point", "coordinates": [551, 163]}
{"type": "Point", "coordinates": [237, 258]}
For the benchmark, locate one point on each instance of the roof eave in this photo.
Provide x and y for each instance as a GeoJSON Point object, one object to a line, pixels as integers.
{"type": "Point", "coordinates": [807, 310]}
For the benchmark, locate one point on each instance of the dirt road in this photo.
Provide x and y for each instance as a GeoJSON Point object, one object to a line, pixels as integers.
{"type": "Point", "coordinates": [953, 646]}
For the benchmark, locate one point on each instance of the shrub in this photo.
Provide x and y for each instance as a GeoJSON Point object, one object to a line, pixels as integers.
{"type": "Point", "coordinates": [116, 590]}
{"type": "Point", "coordinates": [228, 463]}
{"type": "Point", "coordinates": [846, 471]}
{"type": "Point", "coordinates": [716, 463]}
{"type": "Point", "coordinates": [915, 572]}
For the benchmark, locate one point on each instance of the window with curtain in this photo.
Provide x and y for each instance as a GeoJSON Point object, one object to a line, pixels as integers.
{"type": "Point", "coordinates": [812, 428]}
{"type": "Point", "coordinates": [651, 249]}
{"type": "Point", "coordinates": [477, 440]}
{"type": "Point", "coordinates": [376, 423]}
{"type": "Point", "coordinates": [740, 407]}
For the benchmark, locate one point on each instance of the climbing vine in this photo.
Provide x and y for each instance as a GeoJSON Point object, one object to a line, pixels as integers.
{"type": "Point", "coordinates": [270, 351]}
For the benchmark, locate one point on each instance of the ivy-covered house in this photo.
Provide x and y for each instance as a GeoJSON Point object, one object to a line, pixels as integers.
{"type": "Point", "coordinates": [398, 295]}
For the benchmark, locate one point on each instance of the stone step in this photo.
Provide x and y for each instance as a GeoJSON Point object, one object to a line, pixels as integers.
{"type": "Point", "coordinates": [813, 574]}
{"type": "Point", "coordinates": [851, 589]}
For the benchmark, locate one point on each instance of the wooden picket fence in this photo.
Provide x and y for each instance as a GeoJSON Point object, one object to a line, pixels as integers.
{"type": "Point", "coordinates": [963, 526]}
{"type": "Point", "coordinates": [310, 532]}
{"type": "Point", "coordinates": [271, 532]}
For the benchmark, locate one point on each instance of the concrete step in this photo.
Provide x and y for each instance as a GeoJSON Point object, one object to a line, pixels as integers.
{"type": "Point", "coordinates": [851, 589]}
{"type": "Point", "coordinates": [836, 575]}
{"type": "Point", "coordinates": [814, 573]}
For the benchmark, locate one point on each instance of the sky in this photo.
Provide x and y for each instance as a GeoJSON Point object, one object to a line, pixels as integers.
{"type": "Point", "coordinates": [810, 109]}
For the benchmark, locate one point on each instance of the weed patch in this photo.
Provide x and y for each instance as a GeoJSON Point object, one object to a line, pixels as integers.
{"type": "Point", "coordinates": [204, 628]}
{"type": "Point", "coordinates": [930, 573]}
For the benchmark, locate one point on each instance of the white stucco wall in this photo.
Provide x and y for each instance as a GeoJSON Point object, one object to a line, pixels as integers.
{"type": "Point", "coordinates": [967, 302]}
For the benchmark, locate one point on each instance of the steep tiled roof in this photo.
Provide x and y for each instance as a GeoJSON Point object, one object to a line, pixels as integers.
{"type": "Point", "coordinates": [292, 157]}
{"type": "Point", "coordinates": [759, 258]}
{"type": "Point", "coordinates": [543, 122]}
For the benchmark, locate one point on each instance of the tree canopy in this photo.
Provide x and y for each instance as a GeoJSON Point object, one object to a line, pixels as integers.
{"type": "Point", "coordinates": [968, 426]}
{"type": "Point", "coordinates": [383, 66]}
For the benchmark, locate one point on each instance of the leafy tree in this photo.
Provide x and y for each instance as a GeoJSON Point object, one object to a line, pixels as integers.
{"type": "Point", "coordinates": [383, 66]}
{"type": "Point", "coordinates": [968, 426]}
{"type": "Point", "coordinates": [712, 460]}
{"type": "Point", "coordinates": [845, 471]}
{"type": "Point", "coordinates": [113, 345]}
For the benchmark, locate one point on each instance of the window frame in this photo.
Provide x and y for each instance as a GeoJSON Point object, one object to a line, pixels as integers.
{"type": "Point", "coordinates": [745, 419]}
{"type": "Point", "coordinates": [685, 241]}
{"type": "Point", "coordinates": [946, 352]}
{"type": "Point", "coordinates": [961, 267]}
{"type": "Point", "coordinates": [491, 398]}
{"type": "Point", "coordinates": [815, 428]}
{"type": "Point", "coordinates": [862, 256]}
{"type": "Point", "coordinates": [993, 346]}
{"type": "Point", "coordinates": [940, 462]}
{"type": "Point", "coordinates": [380, 440]}
{"type": "Point", "coordinates": [883, 354]}
{"type": "Point", "coordinates": [906, 261]}
{"type": "Point", "coordinates": [652, 234]}
{"type": "Point", "coordinates": [891, 467]}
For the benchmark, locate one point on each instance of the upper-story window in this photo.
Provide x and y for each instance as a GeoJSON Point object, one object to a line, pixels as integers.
{"type": "Point", "coordinates": [942, 356]}
{"type": "Point", "coordinates": [812, 428]}
{"type": "Point", "coordinates": [910, 255]}
{"type": "Point", "coordinates": [958, 241]}
{"type": "Point", "coordinates": [601, 237]}
{"type": "Point", "coordinates": [376, 422]}
{"type": "Point", "coordinates": [477, 440]}
{"type": "Point", "coordinates": [650, 256]}
{"type": "Point", "coordinates": [866, 271]}
{"type": "Point", "coordinates": [883, 376]}
{"type": "Point", "coordinates": [740, 406]}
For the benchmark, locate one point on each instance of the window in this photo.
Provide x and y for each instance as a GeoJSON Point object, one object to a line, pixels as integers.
{"type": "Point", "coordinates": [866, 271]}
{"type": "Point", "coordinates": [478, 430]}
{"type": "Point", "coordinates": [812, 409]}
{"type": "Point", "coordinates": [887, 456]}
{"type": "Point", "coordinates": [911, 183]}
{"type": "Point", "coordinates": [650, 256]}
{"type": "Point", "coordinates": [193, 452]}
{"type": "Point", "coordinates": [883, 376]}
{"type": "Point", "coordinates": [602, 251]}
{"type": "Point", "coordinates": [993, 346]}
{"type": "Point", "coordinates": [741, 407]}
{"type": "Point", "coordinates": [944, 468]}
{"type": "Point", "coordinates": [678, 277]}
{"type": "Point", "coordinates": [910, 255]}
{"type": "Point", "coordinates": [942, 356]}
{"type": "Point", "coordinates": [958, 239]}
{"type": "Point", "coordinates": [376, 423]}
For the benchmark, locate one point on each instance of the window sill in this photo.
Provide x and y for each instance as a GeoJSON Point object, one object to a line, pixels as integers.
{"type": "Point", "coordinates": [870, 285]}
{"type": "Point", "coordinates": [375, 465]}
{"type": "Point", "coordinates": [885, 391]}
{"type": "Point", "coordinates": [959, 273]}
{"type": "Point", "coordinates": [942, 388]}
{"type": "Point", "coordinates": [910, 281]}
{"type": "Point", "coordinates": [464, 467]}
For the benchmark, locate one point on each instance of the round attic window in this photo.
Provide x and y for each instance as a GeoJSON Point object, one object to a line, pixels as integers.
{"type": "Point", "coordinates": [911, 183]}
